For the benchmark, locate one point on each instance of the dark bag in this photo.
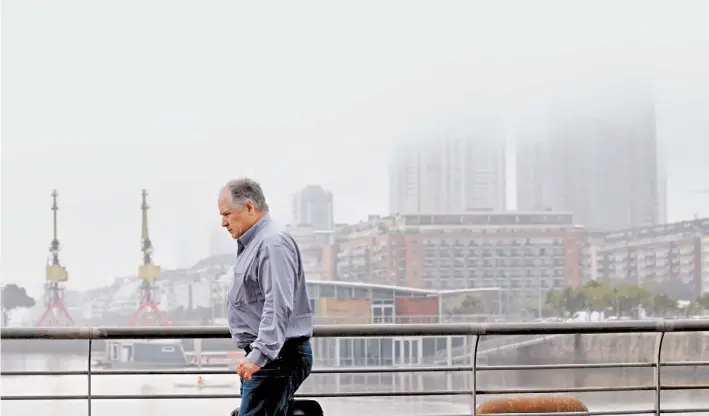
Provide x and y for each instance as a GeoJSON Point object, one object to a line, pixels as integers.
{"type": "Point", "coordinates": [304, 407]}
{"type": "Point", "coordinates": [299, 407]}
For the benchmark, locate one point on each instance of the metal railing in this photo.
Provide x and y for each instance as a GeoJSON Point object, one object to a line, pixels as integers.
{"type": "Point", "coordinates": [475, 331]}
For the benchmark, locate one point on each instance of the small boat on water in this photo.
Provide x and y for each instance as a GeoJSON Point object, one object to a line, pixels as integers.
{"type": "Point", "coordinates": [203, 384]}
{"type": "Point", "coordinates": [143, 354]}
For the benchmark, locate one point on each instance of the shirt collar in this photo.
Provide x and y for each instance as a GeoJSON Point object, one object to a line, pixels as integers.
{"type": "Point", "coordinates": [249, 235]}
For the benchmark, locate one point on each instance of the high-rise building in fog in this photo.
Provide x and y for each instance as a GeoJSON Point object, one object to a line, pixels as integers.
{"type": "Point", "coordinates": [450, 171]}
{"type": "Point", "coordinates": [312, 207]}
{"type": "Point", "coordinates": [595, 155]}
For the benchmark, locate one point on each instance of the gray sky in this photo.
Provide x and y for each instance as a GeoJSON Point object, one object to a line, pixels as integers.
{"type": "Point", "coordinates": [101, 99]}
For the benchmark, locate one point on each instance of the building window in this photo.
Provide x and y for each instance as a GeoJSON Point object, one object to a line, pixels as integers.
{"type": "Point", "coordinates": [343, 292]}
{"type": "Point", "coordinates": [383, 314]}
{"type": "Point", "coordinates": [327, 291]}
{"type": "Point", "coordinates": [387, 352]}
{"type": "Point", "coordinates": [383, 295]}
{"type": "Point", "coordinates": [373, 352]}
{"type": "Point", "coordinates": [346, 352]}
{"type": "Point", "coordinates": [313, 291]}
{"type": "Point", "coordinates": [361, 293]}
{"type": "Point", "coordinates": [359, 352]}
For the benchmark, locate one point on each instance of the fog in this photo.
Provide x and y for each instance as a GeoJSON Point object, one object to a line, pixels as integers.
{"type": "Point", "coordinates": [103, 99]}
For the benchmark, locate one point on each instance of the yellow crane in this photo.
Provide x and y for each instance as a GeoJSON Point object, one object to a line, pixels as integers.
{"type": "Point", "coordinates": [56, 275]}
{"type": "Point", "coordinates": [148, 274]}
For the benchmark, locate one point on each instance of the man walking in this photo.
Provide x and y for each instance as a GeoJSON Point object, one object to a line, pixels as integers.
{"type": "Point", "coordinates": [270, 316]}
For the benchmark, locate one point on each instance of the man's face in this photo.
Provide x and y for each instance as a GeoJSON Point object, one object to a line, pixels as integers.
{"type": "Point", "coordinates": [236, 220]}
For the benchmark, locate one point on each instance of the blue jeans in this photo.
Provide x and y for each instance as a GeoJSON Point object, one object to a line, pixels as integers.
{"type": "Point", "coordinates": [271, 389]}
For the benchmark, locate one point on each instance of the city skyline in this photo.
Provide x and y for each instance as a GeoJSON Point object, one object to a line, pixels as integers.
{"type": "Point", "coordinates": [150, 100]}
{"type": "Point", "coordinates": [481, 176]}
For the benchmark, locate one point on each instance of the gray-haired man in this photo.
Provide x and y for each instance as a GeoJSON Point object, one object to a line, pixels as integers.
{"type": "Point", "coordinates": [269, 309]}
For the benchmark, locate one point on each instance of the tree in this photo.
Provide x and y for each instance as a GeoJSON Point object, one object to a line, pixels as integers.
{"type": "Point", "coordinates": [598, 295]}
{"type": "Point", "coordinates": [565, 301]}
{"type": "Point", "coordinates": [701, 304]}
{"type": "Point", "coordinates": [469, 305]}
{"type": "Point", "coordinates": [662, 304]}
{"type": "Point", "coordinates": [628, 298]}
{"type": "Point", "coordinates": [14, 297]}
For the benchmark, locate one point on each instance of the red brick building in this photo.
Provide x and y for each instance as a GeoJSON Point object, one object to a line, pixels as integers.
{"type": "Point", "coordinates": [527, 254]}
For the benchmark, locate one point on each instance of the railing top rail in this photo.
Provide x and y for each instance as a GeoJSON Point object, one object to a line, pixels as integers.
{"type": "Point", "coordinates": [374, 330]}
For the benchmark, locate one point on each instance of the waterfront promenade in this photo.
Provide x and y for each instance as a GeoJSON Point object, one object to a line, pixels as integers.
{"type": "Point", "coordinates": [639, 387]}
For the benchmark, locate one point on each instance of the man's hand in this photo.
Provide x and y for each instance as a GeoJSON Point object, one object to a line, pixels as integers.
{"type": "Point", "coordinates": [245, 368]}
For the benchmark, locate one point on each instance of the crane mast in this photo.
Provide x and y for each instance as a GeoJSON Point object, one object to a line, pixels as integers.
{"type": "Point", "coordinates": [56, 275]}
{"type": "Point", "coordinates": [148, 312]}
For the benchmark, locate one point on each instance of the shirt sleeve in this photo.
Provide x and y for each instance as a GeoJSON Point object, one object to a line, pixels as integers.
{"type": "Point", "coordinates": [276, 278]}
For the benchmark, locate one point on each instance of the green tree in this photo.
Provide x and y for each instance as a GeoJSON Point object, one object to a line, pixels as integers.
{"type": "Point", "coordinates": [663, 304]}
{"type": "Point", "coordinates": [566, 301]}
{"type": "Point", "coordinates": [14, 297]}
{"type": "Point", "coordinates": [627, 298]}
{"type": "Point", "coordinates": [469, 305]}
{"type": "Point", "coordinates": [598, 295]}
{"type": "Point", "coordinates": [700, 304]}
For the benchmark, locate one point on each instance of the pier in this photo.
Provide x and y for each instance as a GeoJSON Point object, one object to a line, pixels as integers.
{"type": "Point", "coordinates": [462, 381]}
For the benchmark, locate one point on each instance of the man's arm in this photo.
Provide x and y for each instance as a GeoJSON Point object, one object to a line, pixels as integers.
{"type": "Point", "coordinates": [276, 279]}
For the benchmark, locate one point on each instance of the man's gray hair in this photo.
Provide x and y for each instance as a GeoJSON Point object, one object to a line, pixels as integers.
{"type": "Point", "coordinates": [241, 190]}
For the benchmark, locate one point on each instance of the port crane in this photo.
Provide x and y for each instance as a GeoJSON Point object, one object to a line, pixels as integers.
{"type": "Point", "coordinates": [148, 312]}
{"type": "Point", "coordinates": [56, 275]}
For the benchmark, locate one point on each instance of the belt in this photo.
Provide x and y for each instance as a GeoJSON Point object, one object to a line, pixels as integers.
{"type": "Point", "coordinates": [290, 343]}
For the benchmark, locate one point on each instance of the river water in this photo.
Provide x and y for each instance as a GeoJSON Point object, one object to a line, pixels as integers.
{"type": "Point", "coordinates": [149, 385]}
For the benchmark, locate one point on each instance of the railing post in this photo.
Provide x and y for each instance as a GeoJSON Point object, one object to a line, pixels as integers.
{"type": "Point", "coordinates": [474, 373]}
{"type": "Point", "coordinates": [658, 372]}
{"type": "Point", "coordinates": [449, 362]}
{"type": "Point", "coordinates": [88, 376]}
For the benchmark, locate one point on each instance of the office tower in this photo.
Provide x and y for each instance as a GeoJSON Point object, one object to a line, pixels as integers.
{"type": "Point", "coordinates": [312, 207]}
{"type": "Point", "coordinates": [594, 154]}
{"type": "Point", "coordinates": [450, 168]}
